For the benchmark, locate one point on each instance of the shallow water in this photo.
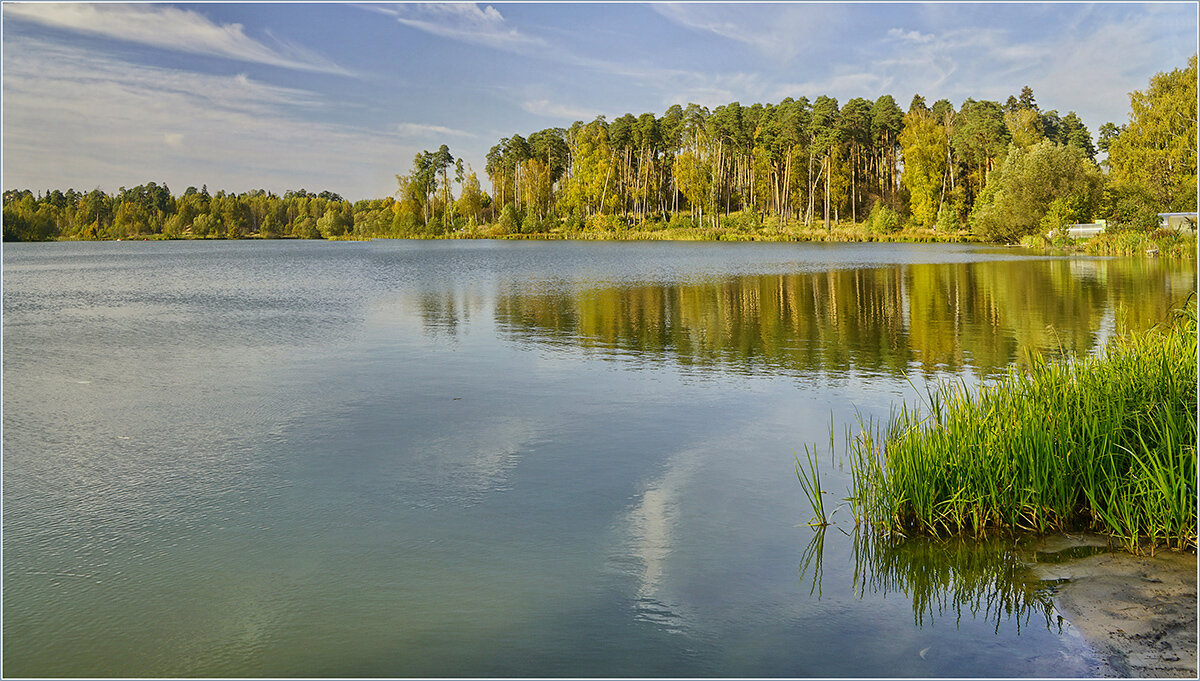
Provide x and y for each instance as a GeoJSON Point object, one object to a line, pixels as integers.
{"type": "Point", "coordinates": [505, 459]}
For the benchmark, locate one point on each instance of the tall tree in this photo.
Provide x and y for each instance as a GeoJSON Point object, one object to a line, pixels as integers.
{"type": "Point", "coordinates": [924, 144]}
{"type": "Point", "coordinates": [980, 138]}
{"type": "Point", "coordinates": [825, 136]}
{"type": "Point", "coordinates": [856, 132]}
{"type": "Point", "coordinates": [1155, 156]}
{"type": "Point", "coordinates": [1024, 127]}
{"type": "Point", "coordinates": [886, 123]}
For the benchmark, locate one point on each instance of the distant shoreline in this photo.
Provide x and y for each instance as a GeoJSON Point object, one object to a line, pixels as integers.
{"type": "Point", "coordinates": [1121, 244]}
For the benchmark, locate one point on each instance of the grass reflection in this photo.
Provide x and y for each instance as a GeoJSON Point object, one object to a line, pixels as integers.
{"type": "Point", "coordinates": [985, 579]}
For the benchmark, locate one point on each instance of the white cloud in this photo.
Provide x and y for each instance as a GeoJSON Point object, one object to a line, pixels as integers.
{"type": "Point", "coordinates": [167, 28]}
{"type": "Point", "coordinates": [1088, 63]}
{"type": "Point", "coordinates": [779, 32]}
{"type": "Point", "coordinates": [423, 130]}
{"type": "Point", "coordinates": [464, 22]}
{"type": "Point", "coordinates": [910, 36]}
{"type": "Point", "coordinates": [75, 118]}
{"type": "Point", "coordinates": [1105, 64]}
{"type": "Point", "coordinates": [544, 107]}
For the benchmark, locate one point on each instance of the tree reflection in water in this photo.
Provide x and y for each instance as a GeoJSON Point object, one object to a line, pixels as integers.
{"type": "Point", "coordinates": [887, 320]}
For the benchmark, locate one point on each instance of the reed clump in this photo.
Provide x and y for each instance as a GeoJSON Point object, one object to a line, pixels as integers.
{"type": "Point", "coordinates": [1105, 443]}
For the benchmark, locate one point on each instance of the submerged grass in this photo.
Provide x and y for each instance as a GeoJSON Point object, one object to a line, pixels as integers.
{"type": "Point", "coordinates": [1105, 443]}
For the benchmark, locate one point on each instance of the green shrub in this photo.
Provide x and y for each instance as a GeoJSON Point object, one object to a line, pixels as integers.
{"type": "Point", "coordinates": [1132, 215]}
{"type": "Point", "coordinates": [1105, 443]}
{"type": "Point", "coordinates": [508, 222]}
{"type": "Point", "coordinates": [883, 220]}
{"type": "Point", "coordinates": [681, 221]}
{"type": "Point", "coordinates": [744, 221]}
{"type": "Point", "coordinates": [947, 220]}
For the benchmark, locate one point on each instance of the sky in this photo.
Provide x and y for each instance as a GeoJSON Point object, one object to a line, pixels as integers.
{"type": "Point", "coordinates": [339, 96]}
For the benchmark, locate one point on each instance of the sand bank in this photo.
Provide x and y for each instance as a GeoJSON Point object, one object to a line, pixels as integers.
{"type": "Point", "coordinates": [1137, 612]}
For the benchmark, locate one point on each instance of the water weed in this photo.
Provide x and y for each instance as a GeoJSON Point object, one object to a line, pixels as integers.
{"type": "Point", "coordinates": [1105, 443]}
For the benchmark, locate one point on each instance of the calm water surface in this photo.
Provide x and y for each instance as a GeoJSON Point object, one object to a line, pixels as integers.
{"type": "Point", "coordinates": [505, 459]}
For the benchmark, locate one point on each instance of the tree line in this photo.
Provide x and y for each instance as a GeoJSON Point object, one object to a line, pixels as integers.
{"type": "Point", "coordinates": [999, 170]}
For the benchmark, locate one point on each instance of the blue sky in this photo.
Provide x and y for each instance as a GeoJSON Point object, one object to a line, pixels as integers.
{"type": "Point", "coordinates": [341, 96]}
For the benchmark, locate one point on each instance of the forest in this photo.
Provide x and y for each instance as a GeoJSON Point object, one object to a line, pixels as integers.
{"type": "Point", "coordinates": [988, 171]}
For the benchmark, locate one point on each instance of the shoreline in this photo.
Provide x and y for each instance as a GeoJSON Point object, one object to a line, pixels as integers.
{"type": "Point", "coordinates": [1184, 250]}
{"type": "Point", "coordinates": [1138, 613]}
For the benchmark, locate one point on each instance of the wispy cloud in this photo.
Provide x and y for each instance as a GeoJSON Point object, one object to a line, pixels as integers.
{"type": "Point", "coordinates": [464, 22]}
{"type": "Point", "coordinates": [544, 107]}
{"type": "Point", "coordinates": [168, 28]}
{"type": "Point", "coordinates": [115, 123]}
{"type": "Point", "coordinates": [423, 130]}
{"type": "Point", "coordinates": [779, 32]}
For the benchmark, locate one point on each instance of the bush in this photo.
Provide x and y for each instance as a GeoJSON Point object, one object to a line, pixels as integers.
{"type": "Point", "coordinates": [745, 221]}
{"type": "Point", "coordinates": [508, 222]}
{"type": "Point", "coordinates": [574, 222]}
{"type": "Point", "coordinates": [883, 220]}
{"type": "Point", "coordinates": [603, 223]}
{"type": "Point", "coordinates": [531, 224]}
{"type": "Point", "coordinates": [1132, 215]}
{"type": "Point", "coordinates": [947, 220]}
{"type": "Point", "coordinates": [681, 221]}
{"type": "Point", "coordinates": [1020, 192]}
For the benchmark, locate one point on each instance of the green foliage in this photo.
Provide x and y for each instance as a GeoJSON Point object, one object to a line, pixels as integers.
{"type": "Point", "coordinates": [1104, 443]}
{"type": "Point", "coordinates": [404, 221]}
{"type": "Point", "coordinates": [24, 221]}
{"type": "Point", "coordinates": [1019, 193]}
{"type": "Point", "coordinates": [947, 220]}
{"type": "Point", "coordinates": [732, 170]}
{"type": "Point", "coordinates": [269, 228]}
{"type": "Point", "coordinates": [470, 203]}
{"type": "Point", "coordinates": [1024, 127]}
{"type": "Point", "coordinates": [1132, 214]}
{"type": "Point", "coordinates": [574, 222]}
{"type": "Point", "coordinates": [1155, 155]}
{"type": "Point", "coordinates": [207, 224]}
{"type": "Point", "coordinates": [337, 221]}
{"type": "Point", "coordinates": [745, 221]}
{"type": "Point", "coordinates": [925, 145]}
{"type": "Point", "coordinates": [532, 224]}
{"type": "Point", "coordinates": [150, 211]}
{"type": "Point", "coordinates": [604, 223]}
{"type": "Point", "coordinates": [509, 222]}
{"type": "Point", "coordinates": [306, 228]}
{"type": "Point", "coordinates": [1063, 212]}
{"type": "Point", "coordinates": [883, 220]}
{"type": "Point", "coordinates": [681, 222]}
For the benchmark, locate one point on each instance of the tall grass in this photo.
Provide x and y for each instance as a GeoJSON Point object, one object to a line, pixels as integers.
{"type": "Point", "coordinates": [1105, 443]}
{"type": "Point", "coordinates": [810, 481]}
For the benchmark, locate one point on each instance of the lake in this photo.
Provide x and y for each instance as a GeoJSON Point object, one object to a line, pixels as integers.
{"type": "Point", "coordinates": [486, 458]}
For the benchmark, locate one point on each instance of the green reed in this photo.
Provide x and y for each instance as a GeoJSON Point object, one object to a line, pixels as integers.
{"type": "Point", "coordinates": [1105, 443]}
{"type": "Point", "coordinates": [810, 481]}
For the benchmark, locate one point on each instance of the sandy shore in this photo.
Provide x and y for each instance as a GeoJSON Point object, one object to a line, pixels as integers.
{"type": "Point", "coordinates": [1137, 612]}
